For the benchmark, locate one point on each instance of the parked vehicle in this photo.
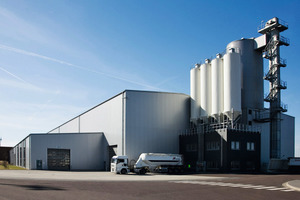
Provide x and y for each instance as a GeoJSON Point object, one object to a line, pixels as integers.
{"type": "Point", "coordinates": [149, 162]}
{"type": "Point", "coordinates": [119, 165]}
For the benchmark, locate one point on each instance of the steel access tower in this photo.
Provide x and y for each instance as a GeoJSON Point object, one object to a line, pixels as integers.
{"type": "Point", "coordinates": [272, 29]}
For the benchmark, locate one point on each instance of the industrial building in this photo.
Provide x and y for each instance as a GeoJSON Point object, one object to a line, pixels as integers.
{"type": "Point", "coordinates": [129, 123]}
{"type": "Point", "coordinates": [223, 124]}
{"type": "Point", "coordinates": [227, 94]}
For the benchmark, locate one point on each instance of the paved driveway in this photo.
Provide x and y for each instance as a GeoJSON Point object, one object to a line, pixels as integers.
{"type": "Point", "coordinates": [95, 176]}
{"type": "Point", "coordinates": [49, 185]}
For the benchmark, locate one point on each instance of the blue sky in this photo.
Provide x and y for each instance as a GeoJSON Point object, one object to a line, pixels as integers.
{"type": "Point", "coordinates": [59, 58]}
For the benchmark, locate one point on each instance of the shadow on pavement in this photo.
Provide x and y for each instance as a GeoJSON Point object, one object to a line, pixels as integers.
{"type": "Point", "coordinates": [34, 187]}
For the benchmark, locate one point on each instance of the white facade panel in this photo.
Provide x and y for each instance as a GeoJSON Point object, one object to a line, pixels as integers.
{"type": "Point", "coordinates": [154, 121]}
{"type": "Point", "coordinates": [261, 41]}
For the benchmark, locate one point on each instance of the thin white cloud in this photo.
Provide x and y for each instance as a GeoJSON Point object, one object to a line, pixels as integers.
{"type": "Point", "coordinates": [28, 53]}
{"type": "Point", "coordinates": [13, 75]}
{"type": "Point", "coordinates": [22, 83]}
{"type": "Point", "coordinates": [17, 27]}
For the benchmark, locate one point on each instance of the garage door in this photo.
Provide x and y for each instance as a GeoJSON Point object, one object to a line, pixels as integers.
{"type": "Point", "coordinates": [58, 159]}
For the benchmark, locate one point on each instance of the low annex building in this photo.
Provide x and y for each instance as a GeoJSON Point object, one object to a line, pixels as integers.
{"type": "Point", "coordinates": [65, 151]}
{"type": "Point", "coordinates": [224, 149]}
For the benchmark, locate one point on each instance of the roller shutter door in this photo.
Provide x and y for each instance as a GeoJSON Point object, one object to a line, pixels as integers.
{"type": "Point", "coordinates": [58, 159]}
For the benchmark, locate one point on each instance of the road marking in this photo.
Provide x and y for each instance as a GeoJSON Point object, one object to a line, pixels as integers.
{"type": "Point", "coordinates": [236, 185]}
{"type": "Point", "coordinates": [288, 190]}
{"type": "Point", "coordinates": [263, 188]}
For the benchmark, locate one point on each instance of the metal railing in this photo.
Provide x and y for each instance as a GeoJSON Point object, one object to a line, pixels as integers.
{"type": "Point", "coordinates": [284, 23]}
{"type": "Point", "coordinates": [284, 40]}
{"type": "Point", "coordinates": [283, 61]}
{"type": "Point", "coordinates": [284, 106]}
{"type": "Point", "coordinates": [244, 127]}
{"type": "Point", "coordinates": [208, 128]}
{"type": "Point", "coordinates": [264, 24]}
{"type": "Point", "coordinates": [283, 83]}
{"type": "Point", "coordinates": [230, 126]}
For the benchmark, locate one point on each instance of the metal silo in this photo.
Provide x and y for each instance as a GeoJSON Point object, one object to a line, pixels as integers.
{"type": "Point", "coordinates": [195, 92]}
{"type": "Point", "coordinates": [232, 83]}
{"type": "Point", "coordinates": [252, 73]}
{"type": "Point", "coordinates": [205, 89]}
{"type": "Point", "coordinates": [217, 85]}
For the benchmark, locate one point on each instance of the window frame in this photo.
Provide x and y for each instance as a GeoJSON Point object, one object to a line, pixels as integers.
{"type": "Point", "coordinates": [250, 146]}
{"type": "Point", "coordinates": [235, 145]}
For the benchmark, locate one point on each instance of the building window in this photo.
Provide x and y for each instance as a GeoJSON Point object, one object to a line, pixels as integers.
{"type": "Point", "coordinates": [235, 145]}
{"type": "Point", "coordinates": [213, 146]}
{"type": "Point", "coordinates": [250, 146]}
{"type": "Point", "coordinates": [250, 123]}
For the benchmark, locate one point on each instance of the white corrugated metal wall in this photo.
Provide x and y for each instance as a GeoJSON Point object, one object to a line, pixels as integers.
{"type": "Point", "coordinates": [136, 121]}
{"type": "Point", "coordinates": [106, 118]}
{"type": "Point", "coordinates": [154, 121]}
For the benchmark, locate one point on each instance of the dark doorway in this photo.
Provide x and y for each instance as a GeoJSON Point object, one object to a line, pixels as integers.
{"type": "Point", "coordinates": [58, 159]}
{"type": "Point", "coordinates": [39, 164]}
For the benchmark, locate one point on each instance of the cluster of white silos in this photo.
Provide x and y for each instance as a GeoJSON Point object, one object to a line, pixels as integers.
{"type": "Point", "coordinates": [229, 84]}
{"type": "Point", "coordinates": [216, 86]}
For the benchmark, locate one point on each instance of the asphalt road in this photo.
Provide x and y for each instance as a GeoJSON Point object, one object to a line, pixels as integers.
{"type": "Point", "coordinates": [232, 187]}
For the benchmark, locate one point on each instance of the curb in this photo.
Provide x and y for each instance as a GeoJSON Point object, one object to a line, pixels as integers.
{"type": "Point", "coordinates": [289, 186]}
